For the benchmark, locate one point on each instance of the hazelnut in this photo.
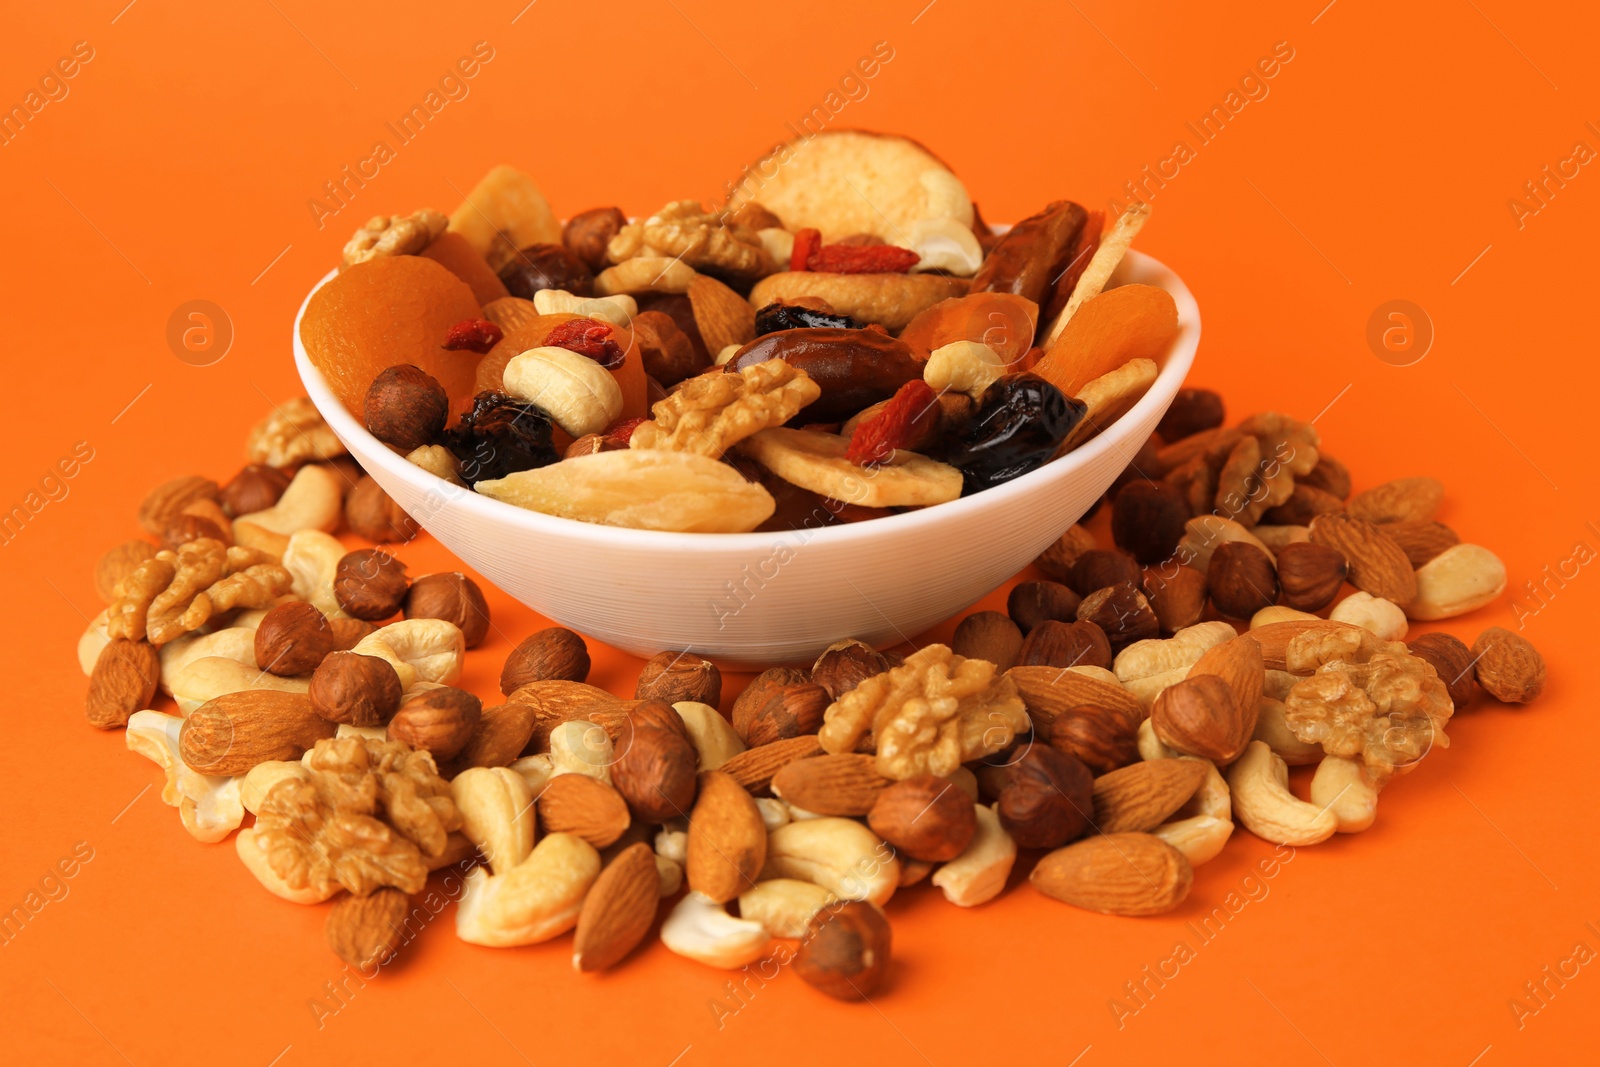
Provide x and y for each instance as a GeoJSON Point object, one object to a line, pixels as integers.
{"type": "Point", "coordinates": [1309, 575]}
{"type": "Point", "coordinates": [371, 513]}
{"type": "Point", "coordinates": [453, 597]}
{"type": "Point", "coordinates": [789, 711]}
{"type": "Point", "coordinates": [760, 690]}
{"type": "Point", "coordinates": [293, 639]}
{"type": "Point", "coordinates": [1191, 411]}
{"type": "Point", "coordinates": [1047, 799]}
{"type": "Point", "coordinates": [370, 584]}
{"type": "Point", "coordinates": [1122, 612]}
{"type": "Point", "coordinates": [185, 528]}
{"type": "Point", "coordinates": [1147, 519]}
{"type": "Point", "coordinates": [845, 664]}
{"type": "Point", "coordinates": [655, 769]}
{"type": "Point", "coordinates": [1103, 738]}
{"type": "Point", "coordinates": [1066, 644]}
{"type": "Point", "coordinates": [255, 488]}
{"type": "Point", "coordinates": [1057, 560]}
{"type": "Point", "coordinates": [926, 817]}
{"type": "Point", "coordinates": [1100, 567]}
{"type": "Point", "coordinates": [1031, 603]}
{"type": "Point", "coordinates": [587, 234]}
{"type": "Point", "coordinates": [1242, 579]}
{"type": "Point", "coordinates": [406, 407]}
{"type": "Point", "coordinates": [348, 632]}
{"type": "Point", "coordinates": [357, 690]}
{"type": "Point", "coordinates": [117, 564]}
{"type": "Point", "coordinates": [1451, 660]}
{"type": "Point", "coordinates": [551, 654]}
{"type": "Point", "coordinates": [991, 636]}
{"type": "Point", "coordinates": [673, 677]}
{"type": "Point", "coordinates": [440, 720]}
{"type": "Point", "coordinates": [1200, 716]}
{"type": "Point", "coordinates": [845, 952]}
{"type": "Point", "coordinates": [1177, 595]}
{"type": "Point", "coordinates": [666, 351]}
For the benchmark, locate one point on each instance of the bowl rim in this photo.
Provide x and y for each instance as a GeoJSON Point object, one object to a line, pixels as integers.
{"type": "Point", "coordinates": [1179, 359]}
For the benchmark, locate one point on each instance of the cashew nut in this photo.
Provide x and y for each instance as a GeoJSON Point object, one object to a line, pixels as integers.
{"type": "Point", "coordinates": [713, 736]}
{"type": "Point", "coordinates": [1341, 786]}
{"type": "Point", "coordinates": [979, 874]}
{"type": "Point", "coordinates": [312, 558]}
{"type": "Point", "coordinates": [645, 274]}
{"type": "Point", "coordinates": [774, 813]}
{"type": "Point", "coordinates": [314, 500]}
{"type": "Point", "coordinates": [438, 461]}
{"type": "Point", "coordinates": [783, 906]}
{"type": "Point", "coordinates": [578, 393]}
{"type": "Point", "coordinates": [259, 780]}
{"type": "Point", "coordinates": [968, 367]}
{"type": "Point", "coordinates": [701, 929]}
{"type": "Point", "coordinates": [837, 854]}
{"type": "Point", "coordinates": [778, 242]}
{"type": "Point", "coordinates": [669, 876]}
{"type": "Point", "coordinates": [945, 244]}
{"type": "Point", "coordinates": [617, 310]}
{"type": "Point", "coordinates": [1374, 614]}
{"type": "Point", "coordinates": [1275, 537]}
{"type": "Point", "coordinates": [209, 806]}
{"type": "Point", "coordinates": [213, 676]}
{"type": "Point", "coordinates": [237, 643]}
{"type": "Point", "coordinates": [419, 650]}
{"type": "Point", "coordinates": [1202, 826]}
{"type": "Point", "coordinates": [536, 771]}
{"type": "Point", "coordinates": [252, 853]}
{"type": "Point", "coordinates": [725, 355]}
{"type": "Point", "coordinates": [1277, 613]}
{"type": "Point", "coordinates": [581, 747]}
{"type": "Point", "coordinates": [673, 844]}
{"type": "Point", "coordinates": [93, 642]}
{"type": "Point", "coordinates": [1278, 683]}
{"type": "Point", "coordinates": [496, 814]}
{"type": "Point", "coordinates": [1460, 579]}
{"type": "Point", "coordinates": [1272, 727]}
{"type": "Point", "coordinates": [1146, 659]}
{"type": "Point", "coordinates": [1099, 674]}
{"type": "Point", "coordinates": [1152, 747]}
{"type": "Point", "coordinates": [1145, 690]}
{"type": "Point", "coordinates": [536, 900]}
{"type": "Point", "coordinates": [799, 814]}
{"type": "Point", "coordinates": [1262, 801]}
{"type": "Point", "coordinates": [379, 734]}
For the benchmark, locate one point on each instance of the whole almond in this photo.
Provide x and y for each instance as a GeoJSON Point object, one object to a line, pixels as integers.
{"type": "Point", "coordinates": [119, 562]}
{"type": "Point", "coordinates": [1200, 716]}
{"type": "Point", "coordinates": [1377, 564]}
{"type": "Point", "coordinates": [727, 839]}
{"type": "Point", "coordinates": [671, 677]}
{"type": "Point", "coordinates": [990, 636]}
{"type": "Point", "coordinates": [925, 817]}
{"type": "Point", "coordinates": [552, 654]}
{"type": "Point", "coordinates": [585, 806]}
{"type": "Point", "coordinates": [1177, 595]}
{"type": "Point", "coordinates": [166, 501]}
{"type": "Point", "coordinates": [1451, 660]}
{"type": "Point", "coordinates": [1274, 638]}
{"type": "Point", "coordinates": [1142, 795]}
{"type": "Point", "coordinates": [367, 931]}
{"type": "Point", "coordinates": [1329, 475]}
{"type": "Point", "coordinates": [1239, 663]}
{"type": "Point", "coordinates": [1421, 541]}
{"type": "Point", "coordinates": [1117, 874]}
{"type": "Point", "coordinates": [846, 783]}
{"type": "Point", "coordinates": [232, 733]}
{"type": "Point", "coordinates": [123, 682]}
{"type": "Point", "coordinates": [1402, 500]}
{"type": "Point", "coordinates": [504, 730]}
{"type": "Point", "coordinates": [722, 315]}
{"type": "Point", "coordinates": [755, 767]}
{"type": "Point", "coordinates": [618, 910]}
{"type": "Point", "coordinates": [1508, 667]}
{"type": "Point", "coordinates": [1050, 691]}
{"type": "Point", "coordinates": [556, 701]}
{"type": "Point", "coordinates": [1066, 644]}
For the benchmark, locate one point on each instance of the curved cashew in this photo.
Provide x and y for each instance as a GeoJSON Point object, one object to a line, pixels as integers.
{"type": "Point", "coordinates": [673, 844]}
{"type": "Point", "coordinates": [581, 747]}
{"type": "Point", "coordinates": [963, 367]}
{"type": "Point", "coordinates": [799, 814]}
{"type": "Point", "coordinates": [1152, 747]}
{"type": "Point", "coordinates": [93, 642]}
{"type": "Point", "coordinates": [1342, 787]}
{"type": "Point", "coordinates": [496, 814]}
{"type": "Point", "coordinates": [419, 650]}
{"type": "Point", "coordinates": [312, 559]}
{"type": "Point", "coordinates": [645, 274]}
{"type": "Point", "coordinates": [778, 242]}
{"type": "Point", "coordinates": [774, 813]}
{"type": "Point", "coordinates": [210, 807]}
{"type": "Point", "coordinates": [701, 929]}
{"type": "Point", "coordinates": [260, 779]}
{"type": "Point", "coordinates": [617, 310]}
{"type": "Point", "coordinates": [237, 643]}
{"type": "Point", "coordinates": [783, 906]}
{"type": "Point", "coordinates": [837, 854]}
{"type": "Point", "coordinates": [713, 736]}
{"type": "Point", "coordinates": [979, 874]}
{"type": "Point", "coordinates": [438, 461]}
{"type": "Point", "coordinates": [669, 876]}
{"type": "Point", "coordinates": [536, 900]}
{"type": "Point", "coordinates": [213, 676]}
{"type": "Point", "coordinates": [536, 771]}
{"type": "Point", "coordinates": [579, 394]}
{"type": "Point", "coordinates": [1275, 537]}
{"type": "Point", "coordinates": [1273, 727]}
{"type": "Point", "coordinates": [1277, 613]}
{"type": "Point", "coordinates": [1374, 614]}
{"type": "Point", "coordinates": [1262, 801]}
{"type": "Point", "coordinates": [313, 501]}
{"type": "Point", "coordinates": [1145, 690]}
{"type": "Point", "coordinates": [254, 857]}
{"type": "Point", "coordinates": [945, 244]}
{"type": "Point", "coordinates": [1149, 658]}
{"type": "Point", "coordinates": [1099, 674]}
{"type": "Point", "coordinates": [1278, 683]}
{"type": "Point", "coordinates": [1206, 821]}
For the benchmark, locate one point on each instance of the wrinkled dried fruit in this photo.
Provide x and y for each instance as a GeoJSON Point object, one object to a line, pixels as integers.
{"type": "Point", "coordinates": [1128, 322]}
{"type": "Point", "coordinates": [473, 335]}
{"type": "Point", "coordinates": [546, 267]}
{"type": "Point", "coordinates": [903, 420]}
{"type": "Point", "coordinates": [587, 337]}
{"type": "Point", "coordinates": [783, 316]}
{"type": "Point", "coordinates": [1017, 428]}
{"type": "Point", "coordinates": [499, 436]}
{"type": "Point", "coordinates": [861, 259]}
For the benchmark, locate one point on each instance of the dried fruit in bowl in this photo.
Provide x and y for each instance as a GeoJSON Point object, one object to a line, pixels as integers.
{"type": "Point", "coordinates": [504, 212]}
{"type": "Point", "coordinates": [451, 251]}
{"type": "Point", "coordinates": [1003, 321]}
{"type": "Point", "coordinates": [645, 489]}
{"type": "Point", "coordinates": [1121, 324]}
{"type": "Point", "coordinates": [501, 435]}
{"type": "Point", "coordinates": [820, 462]}
{"type": "Point", "coordinates": [781, 316]}
{"type": "Point", "coordinates": [890, 300]}
{"type": "Point", "coordinates": [1033, 253]}
{"type": "Point", "coordinates": [1020, 423]}
{"type": "Point", "coordinates": [853, 368]}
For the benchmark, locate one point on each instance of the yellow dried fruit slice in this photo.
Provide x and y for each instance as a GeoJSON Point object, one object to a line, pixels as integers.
{"type": "Point", "coordinates": [642, 489]}
{"type": "Point", "coordinates": [504, 212]}
{"type": "Point", "coordinates": [816, 461]}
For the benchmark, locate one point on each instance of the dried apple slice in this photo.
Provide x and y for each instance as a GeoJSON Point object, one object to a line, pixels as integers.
{"type": "Point", "coordinates": [504, 212]}
{"type": "Point", "coordinates": [818, 462]}
{"type": "Point", "coordinates": [1109, 397]}
{"type": "Point", "coordinates": [1121, 324]}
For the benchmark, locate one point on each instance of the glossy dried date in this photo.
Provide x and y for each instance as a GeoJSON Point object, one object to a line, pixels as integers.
{"type": "Point", "coordinates": [781, 316]}
{"type": "Point", "coordinates": [855, 368]}
{"type": "Point", "coordinates": [1024, 261]}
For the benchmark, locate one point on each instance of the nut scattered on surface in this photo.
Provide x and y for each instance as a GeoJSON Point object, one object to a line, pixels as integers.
{"type": "Point", "coordinates": [1509, 668]}
{"type": "Point", "coordinates": [845, 952]}
{"type": "Point", "coordinates": [370, 584]}
{"type": "Point", "coordinates": [555, 653]}
{"type": "Point", "coordinates": [453, 597]}
{"type": "Point", "coordinates": [671, 677]}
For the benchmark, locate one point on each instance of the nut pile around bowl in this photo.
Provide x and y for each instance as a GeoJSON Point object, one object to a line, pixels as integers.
{"type": "Point", "coordinates": [787, 361]}
{"type": "Point", "coordinates": [1107, 731]}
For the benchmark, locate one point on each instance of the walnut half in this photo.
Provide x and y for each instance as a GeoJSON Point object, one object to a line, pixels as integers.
{"type": "Point", "coordinates": [710, 413]}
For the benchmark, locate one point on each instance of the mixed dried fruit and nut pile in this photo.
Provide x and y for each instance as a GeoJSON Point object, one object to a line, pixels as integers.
{"type": "Point", "coordinates": [843, 340]}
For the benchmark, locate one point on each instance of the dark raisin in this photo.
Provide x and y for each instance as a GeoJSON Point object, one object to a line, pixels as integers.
{"type": "Point", "coordinates": [1019, 423]}
{"type": "Point", "coordinates": [781, 316]}
{"type": "Point", "coordinates": [546, 267]}
{"type": "Point", "coordinates": [499, 436]}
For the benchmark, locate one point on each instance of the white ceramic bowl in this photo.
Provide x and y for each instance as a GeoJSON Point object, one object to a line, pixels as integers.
{"type": "Point", "coordinates": [760, 599]}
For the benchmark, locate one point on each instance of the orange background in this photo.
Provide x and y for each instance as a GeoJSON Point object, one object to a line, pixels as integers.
{"type": "Point", "coordinates": [1378, 167]}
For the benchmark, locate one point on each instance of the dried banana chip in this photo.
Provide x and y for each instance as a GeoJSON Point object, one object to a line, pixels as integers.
{"type": "Point", "coordinates": [1113, 246]}
{"type": "Point", "coordinates": [644, 489]}
{"type": "Point", "coordinates": [1109, 397]}
{"type": "Point", "coordinates": [816, 461]}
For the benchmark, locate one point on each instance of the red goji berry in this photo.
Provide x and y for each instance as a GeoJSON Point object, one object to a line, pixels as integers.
{"type": "Point", "coordinates": [587, 337]}
{"type": "Point", "coordinates": [862, 259]}
{"type": "Point", "coordinates": [906, 418]}
{"type": "Point", "coordinates": [806, 242]}
{"type": "Point", "coordinates": [478, 335]}
{"type": "Point", "coordinates": [622, 432]}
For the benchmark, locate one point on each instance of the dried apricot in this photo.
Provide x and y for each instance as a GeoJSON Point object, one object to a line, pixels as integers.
{"type": "Point", "coordinates": [1128, 322]}
{"type": "Point", "coordinates": [1003, 321]}
{"type": "Point", "coordinates": [452, 251]}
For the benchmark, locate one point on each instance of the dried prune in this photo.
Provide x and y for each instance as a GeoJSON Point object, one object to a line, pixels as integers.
{"type": "Point", "coordinates": [500, 435]}
{"type": "Point", "coordinates": [546, 267]}
{"type": "Point", "coordinates": [1017, 427]}
{"type": "Point", "coordinates": [781, 316]}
